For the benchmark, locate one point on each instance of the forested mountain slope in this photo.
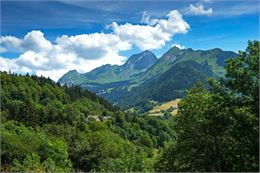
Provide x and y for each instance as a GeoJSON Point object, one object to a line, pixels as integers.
{"type": "Point", "coordinates": [170, 85]}
{"type": "Point", "coordinates": [46, 127]}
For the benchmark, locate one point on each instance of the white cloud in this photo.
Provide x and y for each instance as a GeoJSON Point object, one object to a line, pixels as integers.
{"type": "Point", "coordinates": [144, 37]}
{"type": "Point", "coordinates": [87, 51]}
{"type": "Point", "coordinates": [155, 34]}
{"type": "Point", "coordinates": [82, 52]}
{"type": "Point", "coordinates": [10, 64]}
{"type": "Point", "coordinates": [35, 41]}
{"type": "Point", "coordinates": [178, 46]}
{"type": "Point", "coordinates": [92, 46]}
{"type": "Point", "coordinates": [198, 9]}
{"type": "Point", "coordinates": [10, 43]}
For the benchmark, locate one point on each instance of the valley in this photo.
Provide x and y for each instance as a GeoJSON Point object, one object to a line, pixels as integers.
{"type": "Point", "coordinates": [129, 86]}
{"type": "Point", "coordinates": [162, 121]}
{"type": "Point", "coordinates": [144, 77]}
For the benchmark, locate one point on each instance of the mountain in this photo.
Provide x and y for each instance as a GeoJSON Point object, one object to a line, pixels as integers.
{"type": "Point", "coordinates": [144, 78]}
{"type": "Point", "coordinates": [70, 77]}
{"type": "Point", "coordinates": [140, 62]}
{"type": "Point", "coordinates": [170, 85]}
{"type": "Point", "coordinates": [163, 63]}
{"type": "Point", "coordinates": [174, 82]}
{"type": "Point", "coordinates": [136, 64]}
{"type": "Point", "coordinates": [215, 58]}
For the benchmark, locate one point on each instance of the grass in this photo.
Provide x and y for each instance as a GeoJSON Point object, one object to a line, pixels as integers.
{"type": "Point", "coordinates": [155, 114]}
{"type": "Point", "coordinates": [157, 110]}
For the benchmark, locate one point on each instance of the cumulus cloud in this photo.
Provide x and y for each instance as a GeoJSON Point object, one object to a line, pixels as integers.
{"type": "Point", "coordinates": [155, 34]}
{"type": "Point", "coordinates": [198, 9]}
{"type": "Point", "coordinates": [85, 52]}
{"type": "Point", "coordinates": [82, 52]}
{"type": "Point", "coordinates": [33, 40]}
{"type": "Point", "coordinates": [92, 46]}
{"type": "Point", "coordinates": [10, 43]}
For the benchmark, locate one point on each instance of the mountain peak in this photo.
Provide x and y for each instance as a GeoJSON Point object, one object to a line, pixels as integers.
{"type": "Point", "coordinates": [147, 52]}
{"type": "Point", "coordinates": [175, 47]}
{"type": "Point", "coordinates": [69, 76]}
{"type": "Point", "coordinates": [72, 71]}
{"type": "Point", "coordinates": [141, 61]}
{"type": "Point", "coordinates": [174, 50]}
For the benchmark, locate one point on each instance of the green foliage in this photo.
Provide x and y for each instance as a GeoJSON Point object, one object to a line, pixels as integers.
{"type": "Point", "coordinates": [106, 151]}
{"type": "Point", "coordinates": [33, 102]}
{"type": "Point", "coordinates": [145, 131]}
{"type": "Point", "coordinates": [55, 134]}
{"type": "Point", "coordinates": [27, 149]}
{"type": "Point", "coordinates": [218, 127]}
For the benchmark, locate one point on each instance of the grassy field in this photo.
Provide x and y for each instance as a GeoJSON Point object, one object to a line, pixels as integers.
{"type": "Point", "coordinates": [164, 107]}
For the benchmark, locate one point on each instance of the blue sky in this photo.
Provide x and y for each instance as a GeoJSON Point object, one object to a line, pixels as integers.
{"type": "Point", "coordinates": [223, 24]}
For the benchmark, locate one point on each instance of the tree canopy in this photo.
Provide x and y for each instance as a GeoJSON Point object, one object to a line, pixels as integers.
{"type": "Point", "coordinates": [45, 127]}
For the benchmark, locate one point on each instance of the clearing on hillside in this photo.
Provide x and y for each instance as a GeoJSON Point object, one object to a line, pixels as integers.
{"type": "Point", "coordinates": [171, 106]}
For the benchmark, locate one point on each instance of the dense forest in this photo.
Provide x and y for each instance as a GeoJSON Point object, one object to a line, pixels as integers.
{"type": "Point", "coordinates": [46, 127]}
{"type": "Point", "coordinates": [49, 127]}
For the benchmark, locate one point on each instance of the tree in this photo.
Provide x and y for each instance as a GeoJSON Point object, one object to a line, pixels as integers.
{"type": "Point", "coordinates": [106, 151]}
{"type": "Point", "coordinates": [26, 149]}
{"type": "Point", "coordinates": [218, 126]}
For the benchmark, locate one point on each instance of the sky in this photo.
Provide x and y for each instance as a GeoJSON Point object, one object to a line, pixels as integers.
{"type": "Point", "coordinates": [50, 38]}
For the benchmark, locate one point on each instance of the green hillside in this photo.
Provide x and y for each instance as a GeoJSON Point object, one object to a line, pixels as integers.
{"type": "Point", "coordinates": [170, 85]}
{"type": "Point", "coordinates": [215, 58]}
{"type": "Point", "coordinates": [49, 128]}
